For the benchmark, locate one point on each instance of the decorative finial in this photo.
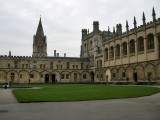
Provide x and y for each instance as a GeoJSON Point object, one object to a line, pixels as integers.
{"type": "Point", "coordinates": [154, 15]}
{"type": "Point", "coordinates": [135, 23]}
{"type": "Point", "coordinates": [127, 26]}
{"type": "Point", "coordinates": [108, 29]}
{"type": "Point", "coordinates": [144, 19]}
{"type": "Point", "coordinates": [114, 30]}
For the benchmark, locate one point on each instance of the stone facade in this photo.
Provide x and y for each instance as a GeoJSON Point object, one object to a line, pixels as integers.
{"type": "Point", "coordinates": [132, 56]}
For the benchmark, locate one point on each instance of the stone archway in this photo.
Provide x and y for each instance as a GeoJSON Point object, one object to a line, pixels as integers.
{"type": "Point", "coordinates": [54, 78]}
{"type": "Point", "coordinates": [46, 78]}
{"type": "Point", "coordinates": [92, 76]}
{"type": "Point", "coordinates": [108, 75]}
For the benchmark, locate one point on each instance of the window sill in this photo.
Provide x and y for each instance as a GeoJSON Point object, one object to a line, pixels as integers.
{"type": "Point", "coordinates": [150, 50]}
{"type": "Point", "coordinates": [141, 52]}
{"type": "Point", "coordinates": [132, 54]}
{"type": "Point", "coordinates": [111, 59]}
{"type": "Point", "coordinates": [118, 57]}
{"type": "Point", "coordinates": [124, 56]}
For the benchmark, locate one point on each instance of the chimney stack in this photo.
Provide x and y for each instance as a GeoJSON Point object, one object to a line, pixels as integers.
{"type": "Point", "coordinates": [55, 53]}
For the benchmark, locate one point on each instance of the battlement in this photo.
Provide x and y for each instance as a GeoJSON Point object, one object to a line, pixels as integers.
{"type": "Point", "coordinates": [119, 33]}
{"type": "Point", "coordinates": [44, 58]}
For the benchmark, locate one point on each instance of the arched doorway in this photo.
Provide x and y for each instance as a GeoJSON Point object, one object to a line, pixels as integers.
{"type": "Point", "coordinates": [92, 76]}
{"type": "Point", "coordinates": [75, 77]}
{"type": "Point", "coordinates": [159, 43]}
{"type": "Point", "coordinates": [46, 78]}
{"type": "Point", "coordinates": [12, 77]}
{"type": "Point", "coordinates": [135, 76]}
{"type": "Point", "coordinates": [108, 75]}
{"type": "Point", "coordinates": [54, 78]}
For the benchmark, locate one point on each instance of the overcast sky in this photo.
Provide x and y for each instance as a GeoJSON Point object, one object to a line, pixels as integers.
{"type": "Point", "coordinates": [63, 20]}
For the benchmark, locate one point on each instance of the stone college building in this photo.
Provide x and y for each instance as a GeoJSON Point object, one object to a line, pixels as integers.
{"type": "Point", "coordinates": [132, 56]}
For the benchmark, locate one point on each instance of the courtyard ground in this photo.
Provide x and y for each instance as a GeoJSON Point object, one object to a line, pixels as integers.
{"type": "Point", "coordinates": [142, 108]}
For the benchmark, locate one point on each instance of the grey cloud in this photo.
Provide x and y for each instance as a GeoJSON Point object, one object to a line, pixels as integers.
{"type": "Point", "coordinates": [63, 20]}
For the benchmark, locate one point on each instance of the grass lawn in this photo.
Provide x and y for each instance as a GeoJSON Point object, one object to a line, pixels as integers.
{"type": "Point", "coordinates": [80, 92]}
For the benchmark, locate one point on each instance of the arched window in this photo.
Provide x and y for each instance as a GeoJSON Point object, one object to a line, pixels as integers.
{"type": "Point", "coordinates": [84, 46]}
{"type": "Point", "coordinates": [90, 44]}
{"type": "Point", "coordinates": [117, 50]}
{"type": "Point", "coordinates": [150, 41]}
{"type": "Point", "coordinates": [132, 46]}
{"type": "Point", "coordinates": [140, 44]}
{"type": "Point", "coordinates": [124, 48]}
{"type": "Point", "coordinates": [111, 52]}
{"type": "Point", "coordinates": [41, 48]}
{"type": "Point", "coordinates": [38, 48]}
{"type": "Point", "coordinates": [106, 53]}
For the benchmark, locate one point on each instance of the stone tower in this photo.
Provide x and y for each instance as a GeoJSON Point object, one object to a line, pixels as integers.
{"type": "Point", "coordinates": [39, 42]}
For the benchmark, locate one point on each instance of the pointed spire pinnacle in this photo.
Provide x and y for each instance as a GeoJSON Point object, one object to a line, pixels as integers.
{"type": "Point", "coordinates": [135, 23]}
{"type": "Point", "coordinates": [9, 53]}
{"type": "Point", "coordinates": [40, 29]}
{"type": "Point", "coordinates": [154, 15]}
{"type": "Point", "coordinates": [127, 26]}
{"type": "Point", "coordinates": [144, 19]}
{"type": "Point", "coordinates": [114, 30]}
{"type": "Point", "coordinates": [108, 29]}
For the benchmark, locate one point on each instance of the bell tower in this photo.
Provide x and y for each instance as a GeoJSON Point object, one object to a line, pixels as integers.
{"type": "Point", "coordinates": [39, 42]}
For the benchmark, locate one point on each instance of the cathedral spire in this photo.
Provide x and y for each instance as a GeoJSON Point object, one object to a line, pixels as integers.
{"type": "Point", "coordinates": [39, 42]}
{"type": "Point", "coordinates": [40, 29]}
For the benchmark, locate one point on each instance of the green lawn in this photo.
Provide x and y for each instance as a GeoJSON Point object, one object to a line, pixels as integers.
{"type": "Point", "coordinates": [81, 92]}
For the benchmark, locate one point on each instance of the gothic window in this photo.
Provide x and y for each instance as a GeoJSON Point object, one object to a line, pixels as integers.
{"type": "Point", "coordinates": [106, 53]}
{"type": "Point", "coordinates": [114, 75]}
{"type": "Point", "coordinates": [82, 65]}
{"type": "Point", "coordinates": [91, 44]}
{"type": "Point", "coordinates": [123, 74]}
{"type": "Point", "coordinates": [76, 66]}
{"type": "Point", "coordinates": [20, 75]}
{"type": "Point", "coordinates": [41, 75]}
{"type": "Point", "coordinates": [26, 65]}
{"type": "Point", "coordinates": [9, 65]}
{"type": "Point", "coordinates": [34, 64]}
{"type": "Point", "coordinates": [40, 48]}
{"type": "Point", "coordinates": [62, 76]}
{"type": "Point", "coordinates": [84, 46]}
{"type": "Point", "coordinates": [101, 75]}
{"type": "Point", "coordinates": [31, 75]}
{"type": "Point", "coordinates": [97, 64]}
{"type": "Point", "coordinates": [100, 63]}
{"type": "Point", "coordinates": [150, 41]}
{"type": "Point", "coordinates": [84, 76]}
{"type": "Point", "coordinates": [51, 65]}
{"type": "Point", "coordinates": [140, 44]}
{"type": "Point", "coordinates": [111, 52]}
{"type": "Point", "coordinates": [67, 76]}
{"type": "Point", "coordinates": [67, 65]}
{"type": "Point", "coordinates": [41, 66]}
{"type": "Point", "coordinates": [132, 46]}
{"type": "Point", "coordinates": [12, 74]}
{"type": "Point", "coordinates": [124, 48]}
{"type": "Point", "coordinates": [16, 64]}
{"type": "Point", "coordinates": [117, 50]}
